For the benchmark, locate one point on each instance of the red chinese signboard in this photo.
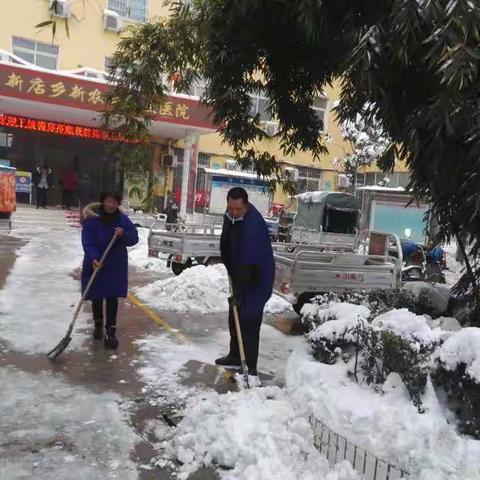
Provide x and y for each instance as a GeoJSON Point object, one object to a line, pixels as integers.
{"type": "Point", "coordinates": [14, 121]}
{"type": "Point", "coordinates": [73, 91]}
{"type": "Point", "coordinates": [7, 192]}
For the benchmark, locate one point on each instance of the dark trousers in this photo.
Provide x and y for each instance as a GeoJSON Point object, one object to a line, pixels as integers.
{"type": "Point", "coordinates": [41, 197]}
{"type": "Point", "coordinates": [68, 198]}
{"type": "Point", "coordinates": [250, 328]}
{"type": "Point", "coordinates": [112, 309]}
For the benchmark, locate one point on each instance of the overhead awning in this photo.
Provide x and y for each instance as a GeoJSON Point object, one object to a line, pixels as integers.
{"type": "Point", "coordinates": [70, 97]}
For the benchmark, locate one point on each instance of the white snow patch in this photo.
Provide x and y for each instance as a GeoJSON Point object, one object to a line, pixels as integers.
{"type": "Point", "coordinates": [39, 297]}
{"type": "Point", "coordinates": [256, 433]}
{"type": "Point", "coordinates": [437, 295]}
{"type": "Point", "coordinates": [463, 347]}
{"type": "Point", "coordinates": [387, 425]}
{"type": "Point", "coordinates": [138, 255]}
{"type": "Point", "coordinates": [408, 325]}
{"type": "Point", "coordinates": [54, 430]}
{"type": "Point", "coordinates": [201, 289]}
{"type": "Point", "coordinates": [276, 305]}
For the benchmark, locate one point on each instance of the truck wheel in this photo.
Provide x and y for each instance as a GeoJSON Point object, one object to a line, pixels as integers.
{"type": "Point", "coordinates": [178, 268]}
{"type": "Point", "coordinates": [303, 298]}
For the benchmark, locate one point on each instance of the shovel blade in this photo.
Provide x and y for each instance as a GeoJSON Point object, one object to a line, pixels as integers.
{"type": "Point", "coordinates": [58, 349]}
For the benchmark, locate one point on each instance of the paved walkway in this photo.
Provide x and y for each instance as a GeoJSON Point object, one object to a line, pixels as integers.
{"type": "Point", "coordinates": [102, 372]}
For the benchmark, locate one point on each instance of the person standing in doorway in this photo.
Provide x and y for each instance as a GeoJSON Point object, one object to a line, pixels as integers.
{"type": "Point", "coordinates": [42, 181]}
{"type": "Point", "coordinates": [247, 254]}
{"type": "Point", "coordinates": [102, 221]}
{"type": "Point", "coordinates": [69, 182]}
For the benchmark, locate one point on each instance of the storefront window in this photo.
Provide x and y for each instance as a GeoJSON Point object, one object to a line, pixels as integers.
{"type": "Point", "coordinates": [42, 54]}
{"type": "Point", "coordinates": [132, 9]}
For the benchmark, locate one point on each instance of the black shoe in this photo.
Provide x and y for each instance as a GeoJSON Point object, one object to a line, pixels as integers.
{"type": "Point", "coordinates": [111, 340]}
{"type": "Point", "coordinates": [98, 330]}
{"type": "Point", "coordinates": [228, 361]}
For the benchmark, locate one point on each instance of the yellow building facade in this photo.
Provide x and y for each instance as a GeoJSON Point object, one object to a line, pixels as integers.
{"type": "Point", "coordinates": [92, 41]}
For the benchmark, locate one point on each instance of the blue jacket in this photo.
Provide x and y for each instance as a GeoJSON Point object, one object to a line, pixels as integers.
{"type": "Point", "coordinates": [247, 253]}
{"type": "Point", "coordinates": [98, 230]}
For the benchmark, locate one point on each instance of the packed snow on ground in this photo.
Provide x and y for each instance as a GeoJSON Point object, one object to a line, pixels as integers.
{"type": "Point", "coordinates": [51, 429]}
{"type": "Point", "coordinates": [388, 425]}
{"type": "Point", "coordinates": [254, 433]}
{"type": "Point", "coordinates": [200, 289]}
{"type": "Point", "coordinates": [463, 347]}
{"type": "Point", "coordinates": [138, 255]}
{"type": "Point", "coordinates": [39, 297]}
{"type": "Point", "coordinates": [160, 361]}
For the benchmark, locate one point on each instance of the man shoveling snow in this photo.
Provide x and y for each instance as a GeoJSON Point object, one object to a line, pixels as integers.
{"type": "Point", "coordinates": [247, 254]}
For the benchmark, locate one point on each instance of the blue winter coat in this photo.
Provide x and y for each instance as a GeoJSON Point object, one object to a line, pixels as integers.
{"type": "Point", "coordinates": [247, 254]}
{"type": "Point", "coordinates": [98, 230]}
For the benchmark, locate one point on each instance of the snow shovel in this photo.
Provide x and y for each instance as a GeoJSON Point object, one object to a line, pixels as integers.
{"type": "Point", "coordinates": [243, 362]}
{"type": "Point", "coordinates": [64, 342]}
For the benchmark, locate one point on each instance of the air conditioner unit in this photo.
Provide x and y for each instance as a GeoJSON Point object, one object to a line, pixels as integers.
{"type": "Point", "coordinates": [291, 173]}
{"type": "Point", "coordinates": [168, 160]}
{"type": "Point", "coordinates": [270, 128]}
{"type": "Point", "coordinates": [112, 21]}
{"type": "Point", "coordinates": [231, 165]}
{"type": "Point", "coordinates": [60, 8]}
{"type": "Point", "coordinates": [343, 181]}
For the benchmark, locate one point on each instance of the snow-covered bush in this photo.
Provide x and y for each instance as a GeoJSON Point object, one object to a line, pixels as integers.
{"type": "Point", "coordinates": [458, 373]}
{"type": "Point", "coordinates": [375, 345]}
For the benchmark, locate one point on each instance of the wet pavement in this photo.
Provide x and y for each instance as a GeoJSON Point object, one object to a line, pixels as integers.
{"type": "Point", "coordinates": [100, 370]}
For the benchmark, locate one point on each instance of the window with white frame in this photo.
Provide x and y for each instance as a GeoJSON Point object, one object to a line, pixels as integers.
{"type": "Point", "coordinates": [260, 105]}
{"type": "Point", "coordinates": [132, 9]}
{"type": "Point", "coordinates": [320, 109]}
{"type": "Point", "coordinates": [308, 179]}
{"type": "Point", "coordinates": [42, 54]}
{"type": "Point", "coordinates": [197, 88]}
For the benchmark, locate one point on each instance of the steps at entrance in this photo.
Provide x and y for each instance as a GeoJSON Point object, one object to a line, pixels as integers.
{"type": "Point", "coordinates": [28, 216]}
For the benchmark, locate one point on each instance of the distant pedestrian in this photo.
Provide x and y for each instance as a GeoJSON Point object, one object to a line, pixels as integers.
{"type": "Point", "coordinates": [42, 181]}
{"type": "Point", "coordinates": [171, 211]}
{"type": "Point", "coordinates": [102, 221]}
{"type": "Point", "coordinates": [247, 254]}
{"type": "Point", "coordinates": [69, 182]}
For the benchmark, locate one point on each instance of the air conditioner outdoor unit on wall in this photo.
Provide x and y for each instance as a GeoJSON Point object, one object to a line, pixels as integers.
{"type": "Point", "coordinates": [270, 128]}
{"type": "Point", "coordinates": [168, 160]}
{"type": "Point", "coordinates": [343, 181]}
{"type": "Point", "coordinates": [112, 21]}
{"type": "Point", "coordinates": [60, 8]}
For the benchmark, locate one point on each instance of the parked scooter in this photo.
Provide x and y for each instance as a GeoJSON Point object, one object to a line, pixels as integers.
{"type": "Point", "coordinates": [421, 267]}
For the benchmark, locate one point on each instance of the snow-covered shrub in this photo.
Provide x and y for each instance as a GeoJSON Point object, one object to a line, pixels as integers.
{"type": "Point", "coordinates": [458, 373]}
{"type": "Point", "coordinates": [397, 341]}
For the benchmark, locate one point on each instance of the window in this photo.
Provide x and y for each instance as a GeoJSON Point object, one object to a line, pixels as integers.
{"type": "Point", "coordinates": [107, 64]}
{"type": "Point", "coordinates": [260, 105]}
{"type": "Point", "coordinates": [41, 54]}
{"type": "Point", "coordinates": [131, 9]}
{"type": "Point", "coordinates": [203, 160]}
{"type": "Point", "coordinates": [197, 88]}
{"type": "Point", "coordinates": [320, 109]}
{"type": "Point", "coordinates": [308, 179]}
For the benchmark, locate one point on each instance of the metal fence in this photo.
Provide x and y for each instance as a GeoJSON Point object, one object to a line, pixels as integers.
{"type": "Point", "coordinates": [337, 448]}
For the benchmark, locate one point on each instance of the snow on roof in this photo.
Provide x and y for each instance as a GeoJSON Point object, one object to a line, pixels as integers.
{"type": "Point", "coordinates": [232, 173]}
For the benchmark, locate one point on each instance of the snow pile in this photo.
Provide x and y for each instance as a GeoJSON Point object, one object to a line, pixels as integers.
{"type": "Point", "coordinates": [138, 255]}
{"type": "Point", "coordinates": [276, 305]}
{"type": "Point", "coordinates": [407, 325]}
{"type": "Point", "coordinates": [71, 432]}
{"type": "Point", "coordinates": [257, 434]}
{"type": "Point", "coordinates": [39, 297]}
{"type": "Point", "coordinates": [387, 425]}
{"type": "Point", "coordinates": [463, 347]}
{"type": "Point", "coordinates": [197, 289]}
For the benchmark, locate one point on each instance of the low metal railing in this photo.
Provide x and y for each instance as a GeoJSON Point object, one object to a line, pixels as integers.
{"type": "Point", "coordinates": [337, 448]}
